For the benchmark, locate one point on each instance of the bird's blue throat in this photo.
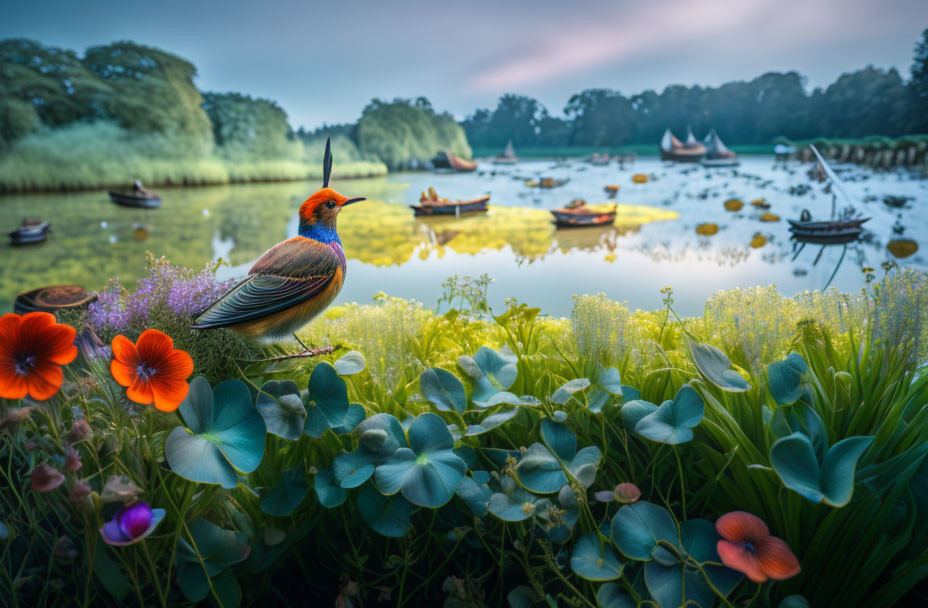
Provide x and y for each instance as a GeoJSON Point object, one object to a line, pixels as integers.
{"type": "Point", "coordinates": [319, 232]}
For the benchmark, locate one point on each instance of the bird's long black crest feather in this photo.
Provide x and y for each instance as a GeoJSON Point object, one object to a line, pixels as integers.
{"type": "Point", "coordinates": [327, 163]}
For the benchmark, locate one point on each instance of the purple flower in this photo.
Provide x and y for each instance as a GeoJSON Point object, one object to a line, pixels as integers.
{"type": "Point", "coordinates": [131, 524]}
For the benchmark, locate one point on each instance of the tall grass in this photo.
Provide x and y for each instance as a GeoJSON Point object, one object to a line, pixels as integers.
{"type": "Point", "coordinates": [98, 155]}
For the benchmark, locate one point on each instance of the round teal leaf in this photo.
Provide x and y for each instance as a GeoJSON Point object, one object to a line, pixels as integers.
{"type": "Point", "coordinates": [491, 422]}
{"type": "Point", "coordinates": [509, 398]}
{"type": "Point", "coordinates": [283, 411]}
{"type": "Point", "coordinates": [794, 601]}
{"type": "Point", "coordinates": [226, 433]}
{"type": "Point", "coordinates": [585, 465]}
{"type": "Point", "coordinates": [637, 528]}
{"type": "Point", "coordinates": [595, 560]}
{"type": "Point", "coordinates": [329, 493]}
{"type": "Point", "coordinates": [218, 548]}
{"type": "Point", "coordinates": [567, 390]}
{"type": "Point", "coordinates": [428, 472]}
{"type": "Point", "coordinates": [475, 495]}
{"type": "Point", "coordinates": [287, 495]}
{"type": "Point", "coordinates": [491, 371]}
{"type": "Point", "coordinates": [630, 394]}
{"type": "Point", "coordinates": [351, 363]}
{"type": "Point", "coordinates": [673, 421]}
{"type": "Point", "coordinates": [673, 586]}
{"type": "Point", "coordinates": [714, 365]}
{"type": "Point", "coordinates": [539, 471]}
{"type": "Point", "coordinates": [784, 379]}
{"type": "Point", "coordinates": [611, 595]}
{"type": "Point", "coordinates": [633, 411]}
{"type": "Point", "coordinates": [443, 389]}
{"type": "Point", "coordinates": [795, 462]}
{"type": "Point", "coordinates": [514, 503]}
{"type": "Point", "coordinates": [394, 436]}
{"type": "Point", "coordinates": [699, 540]}
{"type": "Point", "coordinates": [351, 469]}
{"type": "Point", "coordinates": [386, 515]}
{"type": "Point", "coordinates": [608, 378]}
{"type": "Point", "coordinates": [559, 438]}
{"type": "Point", "coordinates": [328, 396]}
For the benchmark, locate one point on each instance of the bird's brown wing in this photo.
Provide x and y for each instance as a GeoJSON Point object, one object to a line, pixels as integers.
{"type": "Point", "coordinates": [288, 275]}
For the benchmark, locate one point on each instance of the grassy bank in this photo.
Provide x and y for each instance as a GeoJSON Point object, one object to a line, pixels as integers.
{"type": "Point", "coordinates": [101, 155]}
{"type": "Point", "coordinates": [581, 151]}
{"type": "Point", "coordinates": [506, 445]}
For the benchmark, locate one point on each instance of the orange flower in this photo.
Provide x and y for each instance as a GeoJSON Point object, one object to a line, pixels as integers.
{"type": "Point", "coordinates": [748, 547]}
{"type": "Point", "coordinates": [152, 371]}
{"type": "Point", "coordinates": [33, 347]}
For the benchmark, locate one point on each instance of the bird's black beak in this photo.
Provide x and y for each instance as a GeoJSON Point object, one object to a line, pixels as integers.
{"type": "Point", "coordinates": [351, 201]}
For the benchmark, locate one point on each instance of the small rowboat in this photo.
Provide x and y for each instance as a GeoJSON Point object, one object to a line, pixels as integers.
{"type": "Point", "coordinates": [582, 216]}
{"type": "Point", "coordinates": [31, 231]}
{"type": "Point", "coordinates": [428, 206]}
{"type": "Point", "coordinates": [448, 161]}
{"type": "Point", "coordinates": [829, 226]}
{"type": "Point", "coordinates": [52, 299]}
{"type": "Point", "coordinates": [147, 200]}
{"type": "Point", "coordinates": [546, 182]}
{"type": "Point", "coordinates": [673, 149]}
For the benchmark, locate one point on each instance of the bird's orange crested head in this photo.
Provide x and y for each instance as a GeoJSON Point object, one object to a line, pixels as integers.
{"type": "Point", "coordinates": [320, 210]}
{"type": "Point", "coordinates": [323, 207]}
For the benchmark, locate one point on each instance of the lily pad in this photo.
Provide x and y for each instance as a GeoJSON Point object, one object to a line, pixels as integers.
{"type": "Point", "coordinates": [443, 389]}
{"type": "Point", "coordinates": [715, 366]}
{"type": "Point", "coordinates": [287, 495]}
{"type": "Point", "coordinates": [328, 396]}
{"type": "Point", "coordinates": [428, 471]}
{"type": "Point", "coordinates": [224, 434]}
{"type": "Point", "coordinates": [280, 405]}
{"type": "Point", "coordinates": [832, 483]}
{"type": "Point", "coordinates": [351, 363]}
{"type": "Point", "coordinates": [637, 528]}
{"type": "Point", "coordinates": [673, 421]}
{"type": "Point", "coordinates": [784, 379]}
{"type": "Point", "coordinates": [595, 560]}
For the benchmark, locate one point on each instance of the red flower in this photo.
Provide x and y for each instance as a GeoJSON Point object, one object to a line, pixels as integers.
{"type": "Point", "coordinates": [152, 370]}
{"type": "Point", "coordinates": [33, 347]}
{"type": "Point", "coordinates": [748, 547]}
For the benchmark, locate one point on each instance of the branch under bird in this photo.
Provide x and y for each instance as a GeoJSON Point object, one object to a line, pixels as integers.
{"type": "Point", "coordinates": [293, 281]}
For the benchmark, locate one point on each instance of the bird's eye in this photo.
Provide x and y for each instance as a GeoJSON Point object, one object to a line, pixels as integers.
{"type": "Point", "coordinates": [330, 204]}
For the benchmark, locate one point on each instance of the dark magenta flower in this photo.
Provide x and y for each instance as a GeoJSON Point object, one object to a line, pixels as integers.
{"type": "Point", "coordinates": [131, 524]}
{"type": "Point", "coordinates": [45, 478]}
{"type": "Point", "coordinates": [748, 547]}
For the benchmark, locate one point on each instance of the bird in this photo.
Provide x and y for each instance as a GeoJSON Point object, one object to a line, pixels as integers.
{"type": "Point", "coordinates": [293, 281]}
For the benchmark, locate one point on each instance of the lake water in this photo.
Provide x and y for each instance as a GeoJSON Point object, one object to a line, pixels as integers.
{"type": "Point", "coordinates": [653, 244]}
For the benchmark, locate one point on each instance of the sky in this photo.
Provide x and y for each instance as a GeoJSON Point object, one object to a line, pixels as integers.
{"type": "Point", "coordinates": [324, 61]}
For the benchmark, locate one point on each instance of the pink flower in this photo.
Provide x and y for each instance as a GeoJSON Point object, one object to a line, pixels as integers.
{"type": "Point", "coordinates": [72, 461]}
{"type": "Point", "coordinates": [45, 478]}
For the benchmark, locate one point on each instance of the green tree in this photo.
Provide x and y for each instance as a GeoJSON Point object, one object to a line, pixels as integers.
{"type": "Point", "coordinates": [244, 127]}
{"type": "Point", "coordinates": [152, 90]}
{"type": "Point", "coordinates": [920, 66]}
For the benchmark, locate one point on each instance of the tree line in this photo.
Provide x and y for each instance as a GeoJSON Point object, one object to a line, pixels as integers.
{"type": "Point", "coordinates": [869, 101]}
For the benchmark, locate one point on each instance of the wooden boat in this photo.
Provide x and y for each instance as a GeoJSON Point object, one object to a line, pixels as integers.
{"type": "Point", "coordinates": [508, 157]}
{"type": "Point", "coordinates": [31, 231]}
{"type": "Point", "coordinates": [546, 182]}
{"type": "Point", "coordinates": [137, 197]}
{"type": "Point", "coordinates": [447, 160]}
{"type": "Point", "coordinates": [578, 215]}
{"type": "Point", "coordinates": [53, 298]}
{"type": "Point", "coordinates": [811, 227]}
{"type": "Point", "coordinates": [673, 149]}
{"type": "Point", "coordinates": [717, 154]}
{"type": "Point", "coordinates": [431, 204]}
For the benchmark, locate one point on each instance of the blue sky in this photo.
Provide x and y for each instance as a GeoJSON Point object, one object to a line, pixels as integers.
{"type": "Point", "coordinates": [324, 61]}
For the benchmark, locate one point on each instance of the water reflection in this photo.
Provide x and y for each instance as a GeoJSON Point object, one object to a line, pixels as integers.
{"type": "Point", "coordinates": [674, 229]}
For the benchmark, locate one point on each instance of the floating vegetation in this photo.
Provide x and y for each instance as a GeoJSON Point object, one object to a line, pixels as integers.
{"type": "Point", "coordinates": [758, 241]}
{"type": "Point", "coordinates": [734, 204]}
{"type": "Point", "coordinates": [769, 217]}
{"type": "Point", "coordinates": [707, 229]}
{"type": "Point", "coordinates": [640, 178]}
{"type": "Point", "coordinates": [761, 203]}
{"type": "Point", "coordinates": [902, 248]}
